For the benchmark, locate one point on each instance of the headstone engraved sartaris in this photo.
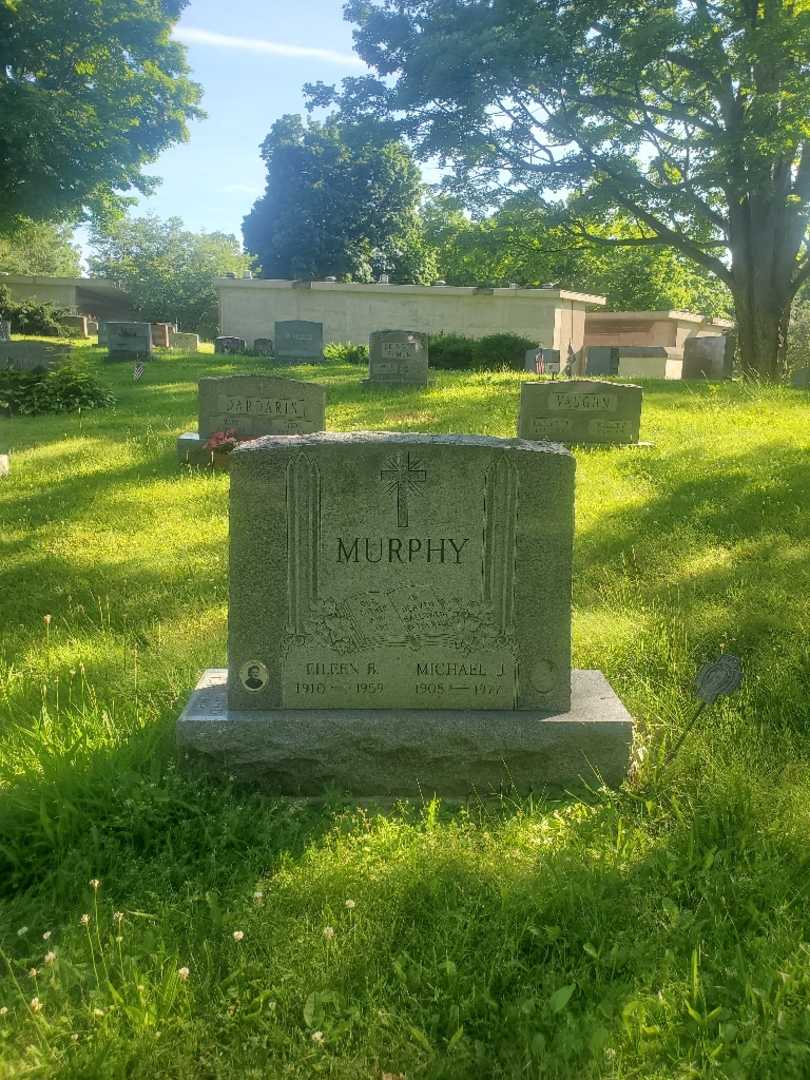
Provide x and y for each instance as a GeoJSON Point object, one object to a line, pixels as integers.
{"type": "Point", "coordinates": [252, 405]}
{"type": "Point", "coordinates": [580, 411]}
{"type": "Point", "coordinates": [400, 622]}
{"type": "Point", "coordinates": [398, 357]}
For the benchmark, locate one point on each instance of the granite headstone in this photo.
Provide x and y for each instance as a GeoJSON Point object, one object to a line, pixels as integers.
{"type": "Point", "coordinates": [161, 335]}
{"type": "Point", "coordinates": [541, 360]}
{"type": "Point", "coordinates": [400, 622]}
{"type": "Point", "coordinates": [602, 360]}
{"type": "Point", "coordinates": [263, 346]}
{"type": "Point", "coordinates": [298, 339]}
{"type": "Point", "coordinates": [801, 378]}
{"type": "Point", "coordinates": [251, 406]}
{"type": "Point", "coordinates": [229, 346]}
{"type": "Point", "coordinates": [128, 340]}
{"type": "Point", "coordinates": [706, 358]}
{"type": "Point", "coordinates": [398, 357]}
{"type": "Point", "coordinates": [580, 411]}
{"type": "Point", "coordinates": [75, 326]}
{"type": "Point", "coordinates": [187, 343]}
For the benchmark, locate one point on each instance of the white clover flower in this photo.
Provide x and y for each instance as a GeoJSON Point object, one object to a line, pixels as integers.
{"type": "Point", "coordinates": [329, 932]}
{"type": "Point", "coordinates": [238, 935]}
{"type": "Point", "coordinates": [50, 957]}
{"type": "Point", "coordinates": [32, 974]}
{"type": "Point", "coordinates": [183, 973]}
{"type": "Point", "coordinates": [317, 1036]}
{"type": "Point", "coordinates": [258, 898]}
{"type": "Point", "coordinates": [98, 1012]}
{"type": "Point", "coordinates": [350, 904]}
{"type": "Point", "coordinates": [95, 884]}
{"type": "Point", "coordinates": [85, 920]}
{"type": "Point", "coordinates": [3, 1010]}
{"type": "Point", "coordinates": [74, 1037]}
{"type": "Point", "coordinates": [36, 1005]}
{"type": "Point", "coordinates": [118, 916]}
{"type": "Point", "coordinates": [22, 931]}
{"type": "Point", "coordinates": [47, 935]}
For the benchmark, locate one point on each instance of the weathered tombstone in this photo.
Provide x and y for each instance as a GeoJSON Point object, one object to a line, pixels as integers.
{"type": "Point", "coordinates": [5, 330]}
{"type": "Point", "coordinates": [542, 361]}
{"type": "Point", "coordinates": [602, 360]}
{"type": "Point", "coordinates": [229, 346]}
{"type": "Point", "coordinates": [801, 378]}
{"type": "Point", "coordinates": [102, 333]}
{"type": "Point", "coordinates": [189, 343]}
{"type": "Point", "coordinates": [92, 328]}
{"type": "Point", "coordinates": [263, 346]}
{"type": "Point", "coordinates": [161, 335]}
{"type": "Point", "coordinates": [705, 358]}
{"type": "Point", "coordinates": [298, 339]}
{"type": "Point", "coordinates": [128, 340]}
{"type": "Point", "coordinates": [400, 622]}
{"type": "Point", "coordinates": [31, 355]}
{"type": "Point", "coordinates": [251, 406]}
{"type": "Point", "coordinates": [580, 411]}
{"type": "Point", "coordinates": [74, 325]}
{"type": "Point", "coordinates": [397, 357]}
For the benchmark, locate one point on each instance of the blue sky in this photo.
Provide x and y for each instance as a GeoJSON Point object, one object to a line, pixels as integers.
{"type": "Point", "coordinates": [251, 58]}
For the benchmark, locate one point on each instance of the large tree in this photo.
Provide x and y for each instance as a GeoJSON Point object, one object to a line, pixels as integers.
{"type": "Point", "coordinates": [335, 196]}
{"type": "Point", "coordinates": [90, 92]}
{"type": "Point", "coordinates": [689, 117]}
{"type": "Point", "coordinates": [40, 247]}
{"type": "Point", "coordinates": [168, 272]}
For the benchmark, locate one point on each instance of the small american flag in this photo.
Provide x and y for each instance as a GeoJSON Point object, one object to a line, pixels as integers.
{"type": "Point", "coordinates": [539, 363]}
{"type": "Point", "coordinates": [138, 371]}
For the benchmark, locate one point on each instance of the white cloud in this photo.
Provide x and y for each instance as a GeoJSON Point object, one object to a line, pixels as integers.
{"type": "Point", "coordinates": [189, 35]}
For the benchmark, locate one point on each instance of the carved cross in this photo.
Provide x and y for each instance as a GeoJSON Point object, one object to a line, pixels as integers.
{"type": "Point", "coordinates": [403, 477]}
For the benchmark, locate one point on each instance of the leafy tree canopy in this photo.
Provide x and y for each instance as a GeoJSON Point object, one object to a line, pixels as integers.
{"type": "Point", "coordinates": [168, 271]}
{"type": "Point", "coordinates": [690, 118]}
{"type": "Point", "coordinates": [40, 247]}
{"type": "Point", "coordinates": [334, 196]}
{"type": "Point", "coordinates": [90, 92]}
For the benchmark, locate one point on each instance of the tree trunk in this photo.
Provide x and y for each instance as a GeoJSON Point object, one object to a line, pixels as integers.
{"type": "Point", "coordinates": [762, 326]}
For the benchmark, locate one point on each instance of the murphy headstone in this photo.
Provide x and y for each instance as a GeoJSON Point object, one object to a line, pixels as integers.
{"type": "Point", "coordinates": [398, 357]}
{"type": "Point", "coordinates": [298, 339]}
{"type": "Point", "coordinates": [400, 622]}
{"type": "Point", "coordinates": [251, 406]}
{"type": "Point", "coordinates": [580, 411]}
{"type": "Point", "coordinates": [31, 355]}
{"type": "Point", "coordinates": [128, 340]}
{"type": "Point", "coordinates": [229, 346]}
{"type": "Point", "coordinates": [706, 358]}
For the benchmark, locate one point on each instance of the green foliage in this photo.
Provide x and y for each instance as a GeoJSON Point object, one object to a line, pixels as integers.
{"type": "Point", "coordinates": [456, 352]}
{"type": "Point", "coordinates": [31, 316]}
{"type": "Point", "coordinates": [654, 934]}
{"type": "Point", "coordinates": [66, 389]}
{"type": "Point", "coordinates": [168, 272]}
{"type": "Point", "coordinates": [40, 247]}
{"type": "Point", "coordinates": [345, 352]}
{"type": "Point", "coordinates": [334, 197]}
{"type": "Point", "coordinates": [90, 92]}
{"type": "Point", "coordinates": [799, 341]}
{"type": "Point", "coordinates": [690, 121]}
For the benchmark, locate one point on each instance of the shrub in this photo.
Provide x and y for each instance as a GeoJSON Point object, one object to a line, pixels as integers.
{"type": "Point", "coordinates": [453, 352]}
{"type": "Point", "coordinates": [65, 389]}
{"type": "Point", "coordinates": [497, 351]}
{"type": "Point", "coordinates": [344, 352]}
{"type": "Point", "coordinates": [30, 317]}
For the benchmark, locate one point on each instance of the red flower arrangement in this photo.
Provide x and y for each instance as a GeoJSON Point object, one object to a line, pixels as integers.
{"type": "Point", "coordinates": [223, 441]}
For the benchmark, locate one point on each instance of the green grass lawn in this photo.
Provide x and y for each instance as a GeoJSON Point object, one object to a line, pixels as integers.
{"type": "Point", "coordinates": [662, 931]}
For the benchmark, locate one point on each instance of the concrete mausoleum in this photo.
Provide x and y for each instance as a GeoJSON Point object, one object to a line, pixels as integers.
{"type": "Point", "coordinates": [85, 296]}
{"type": "Point", "coordinates": [555, 318]}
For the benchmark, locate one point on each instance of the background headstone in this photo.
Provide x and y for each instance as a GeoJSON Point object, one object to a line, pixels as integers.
{"type": "Point", "coordinates": [229, 346]}
{"type": "Point", "coordinates": [74, 325]}
{"type": "Point", "coordinates": [5, 330]}
{"type": "Point", "coordinates": [602, 360]}
{"type": "Point", "coordinates": [128, 340]}
{"type": "Point", "coordinates": [801, 378]}
{"type": "Point", "coordinates": [580, 411]}
{"type": "Point", "coordinates": [298, 339]}
{"type": "Point", "coordinates": [263, 346]}
{"type": "Point", "coordinates": [706, 358]}
{"type": "Point", "coordinates": [102, 333]}
{"type": "Point", "coordinates": [550, 358]}
{"type": "Point", "coordinates": [398, 357]}
{"type": "Point", "coordinates": [400, 617]}
{"type": "Point", "coordinates": [161, 335]}
{"type": "Point", "coordinates": [31, 355]}
{"type": "Point", "coordinates": [184, 342]}
{"type": "Point", "coordinates": [92, 328]}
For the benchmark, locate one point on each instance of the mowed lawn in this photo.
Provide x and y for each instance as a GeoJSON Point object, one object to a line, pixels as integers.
{"type": "Point", "coordinates": [661, 931]}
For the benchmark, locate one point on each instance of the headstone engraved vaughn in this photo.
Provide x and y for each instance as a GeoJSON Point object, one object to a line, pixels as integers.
{"type": "Point", "coordinates": [400, 621]}
{"type": "Point", "coordinates": [128, 340]}
{"type": "Point", "coordinates": [298, 339]}
{"type": "Point", "coordinates": [580, 411]}
{"type": "Point", "coordinates": [253, 405]}
{"type": "Point", "coordinates": [398, 357]}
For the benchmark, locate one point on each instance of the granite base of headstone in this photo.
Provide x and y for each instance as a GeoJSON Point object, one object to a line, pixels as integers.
{"type": "Point", "coordinates": [32, 355]}
{"type": "Point", "coordinates": [251, 406]}
{"type": "Point", "coordinates": [400, 623]}
{"type": "Point", "coordinates": [5, 330]}
{"type": "Point", "coordinates": [580, 411]}
{"type": "Point", "coordinates": [800, 379]}
{"type": "Point", "coordinates": [263, 346]}
{"type": "Point", "coordinates": [128, 340]}
{"type": "Point", "coordinates": [397, 358]}
{"type": "Point", "coordinates": [706, 358]}
{"type": "Point", "coordinates": [298, 339]}
{"type": "Point", "coordinates": [229, 346]}
{"type": "Point", "coordinates": [187, 343]}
